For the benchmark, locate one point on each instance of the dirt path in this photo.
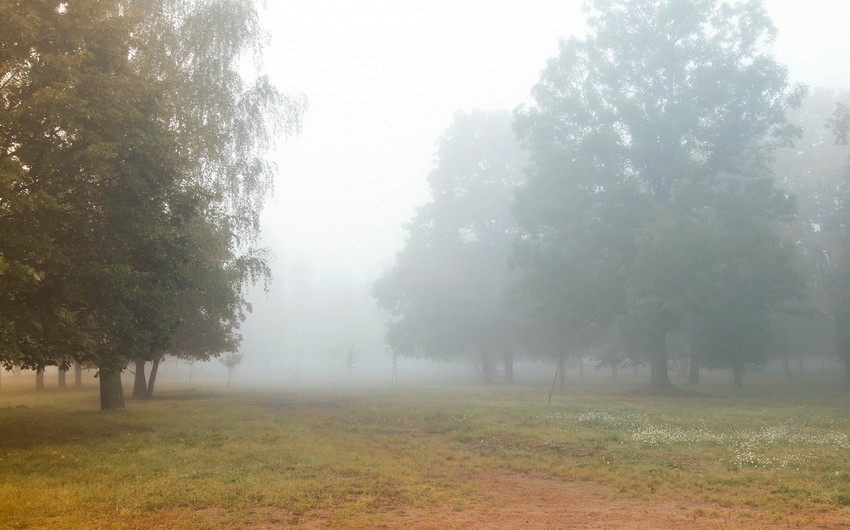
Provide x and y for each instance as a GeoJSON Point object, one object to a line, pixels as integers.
{"type": "Point", "coordinates": [509, 500]}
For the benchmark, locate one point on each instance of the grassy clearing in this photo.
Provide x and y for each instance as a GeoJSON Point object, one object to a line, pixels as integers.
{"type": "Point", "coordinates": [357, 458]}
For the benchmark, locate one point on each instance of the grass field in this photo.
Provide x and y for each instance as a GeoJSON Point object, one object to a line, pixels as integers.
{"type": "Point", "coordinates": [772, 456]}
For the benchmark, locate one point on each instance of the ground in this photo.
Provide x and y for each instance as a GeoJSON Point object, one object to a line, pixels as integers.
{"type": "Point", "coordinates": [775, 455]}
{"type": "Point", "coordinates": [508, 500]}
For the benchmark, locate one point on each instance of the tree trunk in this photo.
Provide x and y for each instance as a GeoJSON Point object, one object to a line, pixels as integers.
{"type": "Point", "coordinates": [39, 379]}
{"type": "Point", "coordinates": [737, 374]}
{"type": "Point", "coordinates": [78, 374]}
{"type": "Point", "coordinates": [561, 370]}
{"type": "Point", "coordinates": [140, 385]}
{"type": "Point", "coordinates": [693, 368]}
{"type": "Point", "coordinates": [487, 366]}
{"type": "Point", "coordinates": [659, 379]}
{"type": "Point", "coordinates": [62, 372]}
{"type": "Point", "coordinates": [509, 365]}
{"type": "Point", "coordinates": [847, 370]}
{"type": "Point", "coordinates": [111, 391]}
{"type": "Point", "coordinates": [152, 379]}
{"type": "Point", "coordinates": [682, 367]}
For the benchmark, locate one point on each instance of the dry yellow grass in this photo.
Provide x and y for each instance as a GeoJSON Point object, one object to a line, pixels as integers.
{"type": "Point", "coordinates": [361, 458]}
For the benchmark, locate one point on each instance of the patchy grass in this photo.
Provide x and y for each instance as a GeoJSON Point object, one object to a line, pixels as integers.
{"type": "Point", "coordinates": [203, 459]}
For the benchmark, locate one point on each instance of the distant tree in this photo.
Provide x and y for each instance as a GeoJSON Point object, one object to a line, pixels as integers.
{"type": "Point", "coordinates": [231, 360]}
{"type": "Point", "coordinates": [394, 355]}
{"type": "Point", "coordinates": [839, 229]}
{"type": "Point", "coordinates": [351, 359]}
{"type": "Point", "coordinates": [814, 170]}
{"type": "Point", "coordinates": [841, 313]}
{"type": "Point", "coordinates": [446, 292]}
{"type": "Point", "coordinates": [641, 136]}
{"type": "Point", "coordinates": [62, 371]}
{"type": "Point", "coordinates": [78, 374]}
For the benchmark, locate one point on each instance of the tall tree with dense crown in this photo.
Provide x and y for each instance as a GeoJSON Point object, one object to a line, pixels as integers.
{"type": "Point", "coordinates": [637, 133]}
{"type": "Point", "coordinates": [131, 160]}
{"type": "Point", "coordinates": [447, 291]}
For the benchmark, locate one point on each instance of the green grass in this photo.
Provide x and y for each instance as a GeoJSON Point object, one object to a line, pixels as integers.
{"type": "Point", "coordinates": [357, 457]}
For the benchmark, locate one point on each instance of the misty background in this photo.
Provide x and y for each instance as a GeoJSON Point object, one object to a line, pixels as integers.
{"type": "Point", "coordinates": [383, 80]}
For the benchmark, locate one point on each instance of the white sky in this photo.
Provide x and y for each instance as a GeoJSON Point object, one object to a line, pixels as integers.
{"type": "Point", "coordinates": [384, 77]}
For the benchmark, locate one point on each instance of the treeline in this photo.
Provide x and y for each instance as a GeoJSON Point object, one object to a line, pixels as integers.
{"type": "Point", "coordinates": [668, 193]}
{"type": "Point", "coordinates": [132, 175]}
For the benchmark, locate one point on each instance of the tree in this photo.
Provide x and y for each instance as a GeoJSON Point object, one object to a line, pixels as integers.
{"type": "Point", "coordinates": [839, 278]}
{"type": "Point", "coordinates": [91, 190]}
{"type": "Point", "coordinates": [350, 359]}
{"type": "Point", "coordinates": [815, 172]}
{"type": "Point", "coordinates": [636, 135]}
{"type": "Point", "coordinates": [128, 136]}
{"type": "Point", "coordinates": [224, 121]}
{"type": "Point", "coordinates": [231, 360]}
{"type": "Point", "coordinates": [447, 291]}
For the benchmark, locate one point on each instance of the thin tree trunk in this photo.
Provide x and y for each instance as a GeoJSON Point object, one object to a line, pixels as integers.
{"type": "Point", "coordinates": [487, 366]}
{"type": "Point", "coordinates": [659, 379]}
{"type": "Point", "coordinates": [738, 374]}
{"type": "Point", "coordinates": [682, 367]}
{"type": "Point", "coordinates": [78, 374]}
{"type": "Point", "coordinates": [62, 372]}
{"type": "Point", "coordinates": [152, 379]}
{"type": "Point", "coordinates": [509, 365]}
{"type": "Point", "coordinates": [111, 390]}
{"type": "Point", "coordinates": [693, 369]}
{"type": "Point", "coordinates": [554, 380]}
{"type": "Point", "coordinates": [140, 385]}
{"type": "Point", "coordinates": [847, 370]}
{"type": "Point", "coordinates": [561, 370]}
{"type": "Point", "coordinates": [39, 379]}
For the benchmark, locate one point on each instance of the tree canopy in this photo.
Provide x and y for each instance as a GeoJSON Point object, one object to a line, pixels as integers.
{"type": "Point", "coordinates": [131, 179]}
{"type": "Point", "coordinates": [447, 290]}
{"type": "Point", "coordinates": [650, 136]}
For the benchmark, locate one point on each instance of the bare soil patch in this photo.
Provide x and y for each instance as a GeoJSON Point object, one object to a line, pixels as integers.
{"type": "Point", "coordinates": [509, 500]}
{"type": "Point", "coordinates": [512, 500]}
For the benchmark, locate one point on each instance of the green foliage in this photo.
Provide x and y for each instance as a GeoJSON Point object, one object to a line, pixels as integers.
{"type": "Point", "coordinates": [649, 143]}
{"type": "Point", "coordinates": [447, 291]}
{"type": "Point", "coordinates": [131, 177]}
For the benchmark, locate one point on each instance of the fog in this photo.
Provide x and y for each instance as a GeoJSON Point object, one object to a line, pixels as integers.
{"type": "Point", "coordinates": [383, 80]}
